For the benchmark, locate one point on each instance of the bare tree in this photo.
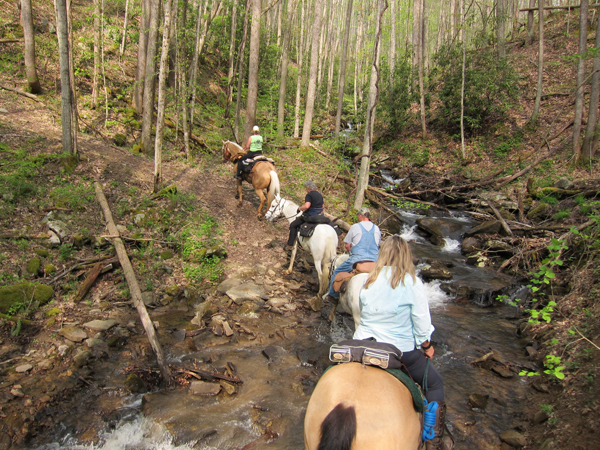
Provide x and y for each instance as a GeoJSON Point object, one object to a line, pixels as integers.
{"type": "Point", "coordinates": [240, 70]}
{"type": "Point", "coordinates": [579, 98]}
{"type": "Point", "coordinates": [300, 47]}
{"type": "Point", "coordinates": [530, 23]}
{"type": "Point", "coordinates": [538, 95]}
{"type": "Point", "coordinates": [312, 78]}
{"type": "Point", "coordinates": [231, 70]}
{"type": "Point", "coordinates": [29, 51]}
{"type": "Point", "coordinates": [252, 99]}
{"type": "Point", "coordinates": [96, 74]}
{"type": "Point", "coordinates": [149, 80]}
{"type": "Point", "coordinates": [125, 20]}
{"type": "Point", "coordinates": [588, 149]}
{"type": "Point", "coordinates": [500, 27]}
{"type": "Point", "coordinates": [162, 78]}
{"type": "Point", "coordinates": [138, 91]}
{"type": "Point", "coordinates": [363, 176]}
{"type": "Point", "coordinates": [392, 47]}
{"type": "Point", "coordinates": [287, 34]}
{"type": "Point", "coordinates": [421, 61]}
{"type": "Point", "coordinates": [69, 135]}
{"type": "Point", "coordinates": [342, 74]}
{"type": "Point", "coordinates": [462, 89]}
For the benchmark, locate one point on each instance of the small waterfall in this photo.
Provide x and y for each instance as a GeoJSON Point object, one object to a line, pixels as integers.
{"type": "Point", "coordinates": [409, 234]}
{"type": "Point", "coordinates": [451, 246]}
{"type": "Point", "coordinates": [435, 296]}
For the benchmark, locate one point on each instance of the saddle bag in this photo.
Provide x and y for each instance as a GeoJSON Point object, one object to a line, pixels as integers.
{"type": "Point", "coordinates": [367, 352]}
{"type": "Point", "coordinates": [307, 229]}
{"type": "Point", "coordinates": [336, 227]}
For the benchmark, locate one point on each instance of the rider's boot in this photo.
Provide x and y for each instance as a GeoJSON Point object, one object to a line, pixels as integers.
{"type": "Point", "coordinates": [438, 442]}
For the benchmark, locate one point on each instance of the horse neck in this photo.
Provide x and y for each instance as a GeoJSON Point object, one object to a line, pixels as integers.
{"type": "Point", "coordinates": [289, 210]}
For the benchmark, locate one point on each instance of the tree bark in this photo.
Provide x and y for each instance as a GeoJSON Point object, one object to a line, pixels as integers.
{"type": "Point", "coordinates": [579, 99]}
{"type": "Point", "coordinates": [125, 21]}
{"type": "Point", "coordinates": [287, 34]}
{"type": "Point", "coordinates": [240, 66]}
{"type": "Point", "coordinates": [252, 99]}
{"type": "Point", "coordinates": [342, 74]}
{"type": "Point", "coordinates": [231, 71]}
{"type": "Point", "coordinates": [538, 96]}
{"type": "Point", "coordinates": [162, 79]}
{"type": "Point", "coordinates": [134, 287]}
{"type": "Point", "coordinates": [138, 92]}
{"type": "Point", "coordinates": [587, 149]}
{"type": "Point", "coordinates": [29, 50]}
{"type": "Point", "coordinates": [312, 79]}
{"type": "Point", "coordinates": [530, 23]}
{"type": "Point", "coordinates": [363, 177]}
{"type": "Point", "coordinates": [299, 80]}
{"type": "Point", "coordinates": [421, 59]}
{"type": "Point", "coordinates": [500, 27]}
{"type": "Point", "coordinates": [462, 91]}
{"type": "Point", "coordinates": [392, 48]}
{"type": "Point", "coordinates": [150, 79]}
{"type": "Point", "coordinates": [96, 74]}
{"type": "Point", "coordinates": [65, 79]}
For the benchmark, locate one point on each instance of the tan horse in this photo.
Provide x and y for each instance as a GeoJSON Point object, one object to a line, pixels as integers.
{"type": "Point", "coordinates": [361, 408]}
{"type": "Point", "coordinates": [263, 176]}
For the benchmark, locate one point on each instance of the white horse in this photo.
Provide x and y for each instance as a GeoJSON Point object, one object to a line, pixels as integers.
{"type": "Point", "coordinates": [349, 301]}
{"type": "Point", "coordinates": [322, 245]}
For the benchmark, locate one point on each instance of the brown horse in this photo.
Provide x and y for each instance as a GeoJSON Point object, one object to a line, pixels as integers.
{"type": "Point", "coordinates": [263, 176]}
{"type": "Point", "coordinates": [358, 408]}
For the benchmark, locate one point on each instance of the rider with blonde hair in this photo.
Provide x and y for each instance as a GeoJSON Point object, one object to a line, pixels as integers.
{"type": "Point", "coordinates": [254, 148]}
{"type": "Point", "coordinates": [394, 309]}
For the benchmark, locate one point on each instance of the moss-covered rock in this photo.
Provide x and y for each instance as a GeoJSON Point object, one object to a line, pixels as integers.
{"type": "Point", "coordinates": [120, 140]}
{"type": "Point", "coordinates": [49, 269]}
{"type": "Point", "coordinates": [53, 312]}
{"type": "Point", "coordinates": [137, 148]}
{"type": "Point", "coordinates": [135, 384]}
{"type": "Point", "coordinates": [42, 252]}
{"type": "Point", "coordinates": [33, 266]}
{"type": "Point", "coordinates": [166, 254]}
{"type": "Point", "coordinates": [23, 293]}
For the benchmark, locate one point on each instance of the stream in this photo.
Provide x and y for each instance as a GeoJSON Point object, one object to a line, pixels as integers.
{"type": "Point", "coordinates": [267, 410]}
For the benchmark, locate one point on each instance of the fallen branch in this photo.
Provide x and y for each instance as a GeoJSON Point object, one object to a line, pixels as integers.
{"type": "Point", "coordinates": [23, 236]}
{"type": "Point", "coordinates": [23, 93]}
{"type": "Point", "coordinates": [9, 41]}
{"type": "Point", "coordinates": [134, 288]}
{"type": "Point", "coordinates": [210, 376]}
{"type": "Point", "coordinates": [316, 136]}
{"type": "Point", "coordinates": [387, 194]}
{"type": "Point", "coordinates": [501, 219]}
{"type": "Point", "coordinates": [89, 281]}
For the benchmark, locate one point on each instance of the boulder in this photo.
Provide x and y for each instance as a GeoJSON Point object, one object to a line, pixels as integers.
{"type": "Point", "coordinates": [204, 388]}
{"type": "Point", "coordinates": [541, 211]}
{"type": "Point", "coordinates": [73, 333]}
{"type": "Point", "coordinates": [244, 292]}
{"type": "Point", "coordinates": [489, 227]}
{"type": "Point", "coordinates": [563, 183]}
{"type": "Point", "coordinates": [513, 438]}
{"type": "Point", "coordinates": [100, 325]}
{"type": "Point", "coordinates": [470, 245]}
{"type": "Point", "coordinates": [23, 293]}
{"type": "Point", "coordinates": [230, 283]}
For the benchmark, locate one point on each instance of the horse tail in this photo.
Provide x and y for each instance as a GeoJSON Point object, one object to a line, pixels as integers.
{"type": "Point", "coordinates": [274, 188]}
{"type": "Point", "coordinates": [338, 430]}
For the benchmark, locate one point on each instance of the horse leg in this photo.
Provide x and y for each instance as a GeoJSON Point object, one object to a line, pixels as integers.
{"type": "Point", "coordinates": [263, 200]}
{"type": "Point", "coordinates": [292, 258]}
{"type": "Point", "coordinates": [239, 191]}
{"type": "Point", "coordinates": [319, 268]}
{"type": "Point", "coordinates": [332, 313]}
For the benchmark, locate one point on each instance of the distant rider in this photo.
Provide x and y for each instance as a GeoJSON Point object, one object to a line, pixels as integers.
{"type": "Point", "coordinates": [253, 147]}
{"type": "Point", "coordinates": [313, 206]}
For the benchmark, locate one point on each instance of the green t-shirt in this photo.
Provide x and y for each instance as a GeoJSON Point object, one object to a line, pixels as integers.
{"type": "Point", "coordinates": [256, 142]}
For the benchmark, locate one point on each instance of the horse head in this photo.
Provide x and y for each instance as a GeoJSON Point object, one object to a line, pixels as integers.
{"type": "Point", "coordinates": [231, 150]}
{"type": "Point", "coordinates": [276, 208]}
{"type": "Point", "coordinates": [226, 152]}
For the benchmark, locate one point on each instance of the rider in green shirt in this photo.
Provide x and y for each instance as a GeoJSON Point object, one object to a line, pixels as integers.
{"type": "Point", "coordinates": [254, 147]}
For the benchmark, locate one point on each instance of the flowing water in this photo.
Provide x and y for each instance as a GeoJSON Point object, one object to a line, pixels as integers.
{"type": "Point", "coordinates": [267, 410]}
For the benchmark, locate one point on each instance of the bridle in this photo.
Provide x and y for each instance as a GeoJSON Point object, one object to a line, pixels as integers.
{"type": "Point", "coordinates": [282, 217]}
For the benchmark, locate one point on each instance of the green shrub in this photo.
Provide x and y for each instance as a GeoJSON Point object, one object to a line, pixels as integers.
{"type": "Point", "coordinates": [561, 215]}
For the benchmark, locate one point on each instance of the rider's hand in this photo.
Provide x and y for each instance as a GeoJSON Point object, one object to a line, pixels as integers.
{"type": "Point", "coordinates": [429, 352]}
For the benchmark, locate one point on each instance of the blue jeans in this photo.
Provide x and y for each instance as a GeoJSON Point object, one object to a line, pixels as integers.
{"type": "Point", "coordinates": [346, 266]}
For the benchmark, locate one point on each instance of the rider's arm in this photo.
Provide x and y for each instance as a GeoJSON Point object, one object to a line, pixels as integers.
{"type": "Point", "coordinates": [348, 246]}
{"type": "Point", "coordinates": [247, 147]}
{"type": "Point", "coordinates": [304, 207]}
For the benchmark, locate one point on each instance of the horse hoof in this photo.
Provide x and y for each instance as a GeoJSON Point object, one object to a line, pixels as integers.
{"type": "Point", "coordinates": [237, 196]}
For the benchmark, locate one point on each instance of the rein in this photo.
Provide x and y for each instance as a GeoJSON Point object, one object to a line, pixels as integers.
{"type": "Point", "coordinates": [282, 217]}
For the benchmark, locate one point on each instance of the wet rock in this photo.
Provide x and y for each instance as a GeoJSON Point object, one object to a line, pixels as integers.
{"type": "Point", "coordinates": [98, 345]}
{"type": "Point", "coordinates": [249, 309]}
{"type": "Point", "coordinates": [489, 227]}
{"type": "Point", "coordinates": [271, 352]}
{"type": "Point", "coordinates": [23, 368]}
{"type": "Point", "coordinates": [82, 358]}
{"type": "Point", "coordinates": [503, 371]}
{"type": "Point", "coordinates": [470, 245]}
{"type": "Point", "coordinates": [499, 246]}
{"type": "Point", "coordinates": [228, 284]}
{"type": "Point", "coordinates": [315, 303]}
{"type": "Point", "coordinates": [513, 438]}
{"type": "Point", "coordinates": [204, 388]}
{"type": "Point", "coordinates": [148, 298]}
{"type": "Point", "coordinates": [247, 291]}
{"type": "Point", "coordinates": [135, 384]}
{"type": "Point", "coordinates": [277, 302]}
{"type": "Point", "coordinates": [45, 364]}
{"type": "Point", "coordinates": [438, 228]}
{"type": "Point", "coordinates": [73, 333]}
{"type": "Point", "coordinates": [17, 392]}
{"type": "Point", "coordinates": [478, 401]}
{"type": "Point", "coordinates": [100, 325]}
{"type": "Point", "coordinates": [435, 271]}
{"type": "Point", "coordinates": [540, 417]}
{"type": "Point", "coordinates": [173, 291]}
{"type": "Point", "coordinates": [541, 211]}
{"type": "Point", "coordinates": [228, 387]}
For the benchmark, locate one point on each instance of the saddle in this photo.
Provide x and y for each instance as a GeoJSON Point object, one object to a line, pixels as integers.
{"type": "Point", "coordinates": [340, 282]}
{"type": "Point", "coordinates": [248, 164]}
{"type": "Point", "coordinates": [308, 228]}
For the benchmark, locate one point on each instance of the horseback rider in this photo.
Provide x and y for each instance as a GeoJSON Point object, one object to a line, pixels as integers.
{"type": "Point", "coordinates": [362, 241]}
{"type": "Point", "coordinates": [253, 148]}
{"type": "Point", "coordinates": [313, 206]}
{"type": "Point", "coordinates": [394, 309]}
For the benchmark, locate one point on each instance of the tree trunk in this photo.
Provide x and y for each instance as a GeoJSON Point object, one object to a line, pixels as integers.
{"type": "Point", "coordinates": [230, 72]}
{"type": "Point", "coordinates": [29, 51]}
{"type": "Point", "coordinates": [587, 149]}
{"type": "Point", "coordinates": [252, 99]}
{"type": "Point", "coordinates": [530, 23]}
{"type": "Point", "coordinates": [287, 35]}
{"type": "Point", "coordinates": [500, 27]}
{"type": "Point", "coordinates": [312, 78]}
{"type": "Point", "coordinates": [65, 79]}
{"type": "Point", "coordinates": [96, 74]}
{"type": "Point", "coordinates": [125, 21]}
{"type": "Point", "coordinates": [299, 81]}
{"type": "Point", "coordinates": [579, 98]}
{"type": "Point", "coordinates": [342, 74]}
{"type": "Point", "coordinates": [416, 38]}
{"type": "Point", "coordinates": [138, 92]}
{"type": "Point", "coordinates": [392, 49]}
{"type": "Point", "coordinates": [422, 52]}
{"type": "Point", "coordinates": [363, 177]}
{"type": "Point", "coordinates": [150, 79]}
{"type": "Point", "coordinates": [240, 65]}
{"type": "Point", "coordinates": [538, 95]}
{"type": "Point", "coordinates": [462, 91]}
{"type": "Point", "coordinates": [162, 78]}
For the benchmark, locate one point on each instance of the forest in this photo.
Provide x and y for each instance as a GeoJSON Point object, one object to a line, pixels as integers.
{"type": "Point", "coordinates": [139, 290]}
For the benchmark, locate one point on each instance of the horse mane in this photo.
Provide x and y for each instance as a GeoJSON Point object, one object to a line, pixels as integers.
{"type": "Point", "coordinates": [238, 148]}
{"type": "Point", "coordinates": [338, 430]}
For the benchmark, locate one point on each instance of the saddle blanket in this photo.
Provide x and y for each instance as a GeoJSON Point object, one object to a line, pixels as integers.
{"type": "Point", "coordinates": [307, 229]}
{"type": "Point", "coordinates": [248, 164]}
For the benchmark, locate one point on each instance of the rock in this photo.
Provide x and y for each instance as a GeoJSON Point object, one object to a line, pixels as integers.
{"type": "Point", "coordinates": [49, 269]}
{"type": "Point", "coordinates": [499, 246]}
{"type": "Point", "coordinates": [249, 309]}
{"type": "Point", "coordinates": [540, 417]}
{"type": "Point", "coordinates": [513, 438]}
{"type": "Point", "coordinates": [204, 388]}
{"type": "Point", "coordinates": [120, 140]}
{"type": "Point", "coordinates": [203, 310]}
{"type": "Point", "coordinates": [73, 334]}
{"type": "Point", "coordinates": [179, 335]}
{"type": "Point", "coordinates": [541, 211]}
{"type": "Point", "coordinates": [271, 352]}
{"type": "Point", "coordinates": [166, 254]}
{"type": "Point", "coordinates": [82, 358]}
{"type": "Point", "coordinates": [100, 325]}
{"type": "Point", "coordinates": [148, 298]}
{"type": "Point", "coordinates": [531, 352]}
{"type": "Point", "coordinates": [429, 272]}
{"type": "Point", "coordinates": [23, 368]}
{"type": "Point", "coordinates": [53, 240]}
{"type": "Point", "coordinates": [540, 386]}
{"type": "Point", "coordinates": [227, 329]}
{"type": "Point", "coordinates": [45, 364]}
{"type": "Point", "coordinates": [59, 227]}
{"type": "Point", "coordinates": [33, 266]}
{"type": "Point", "coordinates": [315, 303]}
{"type": "Point", "coordinates": [478, 401]}
{"type": "Point", "coordinates": [23, 293]}
{"type": "Point", "coordinates": [440, 227]}
{"type": "Point", "coordinates": [64, 349]}
{"type": "Point", "coordinates": [78, 241]}
{"type": "Point", "coordinates": [230, 283]}
{"type": "Point", "coordinates": [247, 291]}
{"type": "Point", "coordinates": [228, 387]}
{"type": "Point", "coordinates": [489, 227]}
{"type": "Point", "coordinates": [503, 371]}
{"type": "Point", "coordinates": [17, 392]}
{"type": "Point", "coordinates": [42, 252]}
{"type": "Point", "coordinates": [135, 384]}
{"type": "Point", "coordinates": [470, 245]}
{"type": "Point", "coordinates": [216, 250]}
{"type": "Point", "coordinates": [277, 302]}
{"type": "Point", "coordinates": [563, 183]}
{"type": "Point", "coordinates": [97, 344]}
{"type": "Point", "coordinates": [260, 269]}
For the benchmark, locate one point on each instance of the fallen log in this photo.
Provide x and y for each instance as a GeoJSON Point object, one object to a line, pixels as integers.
{"type": "Point", "coordinates": [24, 236]}
{"type": "Point", "coordinates": [211, 376]}
{"type": "Point", "coordinates": [315, 136]}
{"type": "Point", "coordinates": [343, 225]}
{"type": "Point", "coordinates": [89, 281]}
{"type": "Point", "coordinates": [134, 287]}
{"type": "Point", "coordinates": [387, 194]}
{"type": "Point", "coordinates": [23, 93]}
{"type": "Point", "coordinates": [501, 219]}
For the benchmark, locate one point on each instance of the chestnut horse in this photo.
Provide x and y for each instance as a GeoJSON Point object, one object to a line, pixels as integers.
{"type": "Point", "coordinates": [263, 176]}
{"type": "Point", "coordinates": [360, 408]}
